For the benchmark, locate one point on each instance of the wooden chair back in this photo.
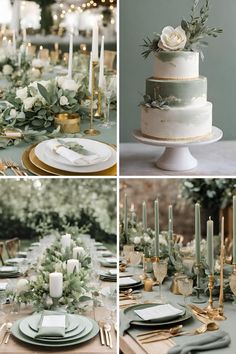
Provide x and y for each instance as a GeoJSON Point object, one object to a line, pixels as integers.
{"type": "Point", "coordinates": [1, 252]}
{"type": "Point", "coordinates": [12, 247]}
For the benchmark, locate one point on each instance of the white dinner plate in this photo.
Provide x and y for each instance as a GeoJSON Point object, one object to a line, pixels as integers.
{"type": "Point", "coordinates": [44, 153]}
{"type": "Point", "coordinates": [103, 151]}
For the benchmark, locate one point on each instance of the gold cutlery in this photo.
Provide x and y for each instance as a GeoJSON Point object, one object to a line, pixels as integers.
{"type": "Point", "coordinates": [3, 167]}
{"type": "Point", "coordinates": [106, 335]}
{"type": "Point", "coordinates": [101, 323]}
{"type": "Point", "coordinates": [15, 168]}
{"type": "Point", "coordinates": [7, 333]}
{"type": "Point", "coordinates": [172, 330]}
{"type": "Point", "coordinates": [107, 328]}
{"type": "Point", "coordinates": [199, 330]}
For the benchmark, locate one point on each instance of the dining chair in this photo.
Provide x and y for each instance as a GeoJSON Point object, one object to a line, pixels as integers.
{"type": "Point", "coordinates": [12, 247]}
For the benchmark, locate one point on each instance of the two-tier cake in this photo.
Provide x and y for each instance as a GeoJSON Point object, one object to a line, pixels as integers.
{"type": "Point", "coordinates": [175, 104]}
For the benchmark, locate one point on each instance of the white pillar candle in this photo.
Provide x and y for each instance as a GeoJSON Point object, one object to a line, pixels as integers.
{"type": "Point", "coordinates": [77, 252]}
{"type": "Point", "coordinates": [70, 60]}
{"type": "Point", "coordinates": [14, 41]}
{"type": "Point", "coordinates": [91, 74]}
{"type": "Point", "coordinates": [56, 285]}
{"type": "Point", "coordinates": [66, 240]}
{"type": "Point", "coordinates": [95, 43]}
{"type": "Point", "coordinates": [24, 35]}
{"type": "Point", "coordinates": [73, 265]}
{"type": "Point", "coordinates": [101, 69]}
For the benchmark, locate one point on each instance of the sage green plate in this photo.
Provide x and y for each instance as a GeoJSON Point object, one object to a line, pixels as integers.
{"type": "Point", "coordinates": [77, 333]}
{"type": "Point", "coordinates": [108, 264]}
{"type": "Point", "coordinates": [15, 331]}
{"type": "Point", "coordinates": [139, 322]}
{"type": "Point", "coordinates": [35, 318]}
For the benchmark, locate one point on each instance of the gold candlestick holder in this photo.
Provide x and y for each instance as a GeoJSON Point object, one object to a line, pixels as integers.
{"type": "Point", "coordinates": [99, 113]}
{"type": "Point", "coordinates": [210, 287]}
{"type": "Point", "coordinates": [91, 131]}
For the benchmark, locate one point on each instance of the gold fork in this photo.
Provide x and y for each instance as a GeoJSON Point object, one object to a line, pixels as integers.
{"type": "Point", "coordinates": [15, 168]}
{"type": "Point", "coordinates": [3, 167]}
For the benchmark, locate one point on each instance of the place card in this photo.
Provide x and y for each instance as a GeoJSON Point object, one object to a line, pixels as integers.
{"type": "Point", "coordinates": [159, 312]}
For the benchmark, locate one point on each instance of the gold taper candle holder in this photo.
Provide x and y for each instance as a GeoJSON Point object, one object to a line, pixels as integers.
{"type": "Point", "coordinates": [99, 113]}
{"type": "Point", "coordinates": [91, 131]}
{"type": "Point", "coordinates": [210, 287]}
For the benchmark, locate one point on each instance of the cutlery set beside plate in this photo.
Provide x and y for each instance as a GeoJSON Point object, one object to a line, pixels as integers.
{"type": "Point", "coordinates": [53, 157]}
{"type": "Point", "coordinates": [80, 329]}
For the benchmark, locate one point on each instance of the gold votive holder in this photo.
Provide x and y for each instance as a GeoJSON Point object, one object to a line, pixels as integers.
{"type": "Point", "coordinates": [68, 122]}
{"type": "Point", "coordinates": [174, 285]}
{"type": "Point", "coordinates": [148, 284]}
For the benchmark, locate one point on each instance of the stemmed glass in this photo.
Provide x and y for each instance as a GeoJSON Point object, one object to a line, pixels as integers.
{"type": "Point", "coordinates": [110, 82]}
{"type": "Point", "coordinates": [160, 272]}
{"type": "Point", "coordinates": [185, 286]}
{"type": "Point", "coordinates": [135, 259]}
{"type": "Point", "coordinates": [110, 297]}
{"type": "Point", "coordinates": [3, 298]}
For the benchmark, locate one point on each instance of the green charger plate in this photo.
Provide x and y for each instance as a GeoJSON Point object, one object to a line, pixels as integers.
{"type": "Point", "coordinates": [35, 318]}
{"type": "Point", "coordinates": [77, 333]}
{"type": "Point", "coordinates": [15, 331]}
{"type": "Point", "coordinates": [107, 264]}
{"type": "Point", "coordinates": [139, 322]}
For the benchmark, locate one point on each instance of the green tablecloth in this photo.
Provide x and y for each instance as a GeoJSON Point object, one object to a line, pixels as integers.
{"type": "Point", "coordinates": [14, 153]}
{"type": "Point", "coordinates": [228, 325]}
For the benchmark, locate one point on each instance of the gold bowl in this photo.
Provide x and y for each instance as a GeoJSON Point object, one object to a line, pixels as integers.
{"type": "Point", "coordinates": [68, 122]}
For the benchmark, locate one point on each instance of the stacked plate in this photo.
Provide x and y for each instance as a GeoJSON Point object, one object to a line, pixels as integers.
{"type": "Point", "coordinates": [9, 272]}
{"type": "Point", "coordinates": [80, 329]}
{"type": "Point", "coordinates": [110, 262]}
{"type": "Point", "coordinates": [132, 313]}
{"type": "Point", "coordinates": [14, 261]}
{"type": "Point", "coordinates": [110, 275]}
{"type": "Point", "coordinates": [129, 282]}
{"type": "Point", "coordinates": [42, 159]}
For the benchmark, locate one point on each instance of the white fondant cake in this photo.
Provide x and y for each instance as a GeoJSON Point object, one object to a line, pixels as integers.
{"type": "Point", "coordinates": [176, 85]}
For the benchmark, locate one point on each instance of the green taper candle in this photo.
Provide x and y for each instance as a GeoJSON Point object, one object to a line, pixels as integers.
{"type": "Point", "coordinates": [156, 217]}
{"type": "Point", "coordinates": [126, 215]}
{"type": "Point", "coordinates": [234, 229]}
{"type": "Point", "coordinates": [210, 246]}
{"type": "Point", "coordinates": [170, 213]}
{"type": "Point", "coordinates": [144, 217]}
{"type": "Point", "coordinates": [170, 236]}
{"type": "Point", "coordinates": [197, 233]}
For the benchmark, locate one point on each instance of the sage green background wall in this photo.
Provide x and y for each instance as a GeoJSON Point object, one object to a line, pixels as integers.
{"type": "Point", "coordinates": [141, 18]}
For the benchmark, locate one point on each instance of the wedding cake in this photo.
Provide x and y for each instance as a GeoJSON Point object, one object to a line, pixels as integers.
{"type": "Point", "coordinates": [175, 103]}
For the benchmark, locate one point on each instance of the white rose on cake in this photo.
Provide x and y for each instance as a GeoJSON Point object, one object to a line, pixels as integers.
{"type": "Point", "coordinates": [172, 38]}
{"type": "Point", "coordinates": [7, 69]}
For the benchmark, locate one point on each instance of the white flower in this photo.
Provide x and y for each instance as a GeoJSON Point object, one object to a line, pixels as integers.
{"type": "Point", "coordinates": [22, 286]}
{"type": "Point", "coordinates": [35, 73]}
{"type": "Point", "coordinates": [147, 239]}
{"type": "Point", "coordinates": [172, 38]}
{"type": "Point", "coordinates": [29, 102]}
{"type": "Point", "coordinates": [69, 84]}
{"type": "Point", "coordinates": [22, 93]}
{"type": "Point", "coordinates": [37, 63]}
{"type": "Point", "coordinates": [137, 240]}
{"type": "Point", "coordinates": [64, 101]}
{"type": "Point", "coordinates": [7, 69]}
{"type": "Point", "coordinates": [13, 113]}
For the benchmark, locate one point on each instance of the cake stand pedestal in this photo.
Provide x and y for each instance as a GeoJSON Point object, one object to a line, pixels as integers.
{"type": "Point", "coordinates": [177, 156]}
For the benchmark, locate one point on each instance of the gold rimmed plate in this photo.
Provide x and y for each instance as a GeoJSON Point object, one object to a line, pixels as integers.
{"type": "Point", "coordinates": [37, 167]}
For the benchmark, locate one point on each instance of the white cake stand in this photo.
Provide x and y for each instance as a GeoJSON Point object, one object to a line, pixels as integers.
{"type": "Point", "coordinates": [177, 156]}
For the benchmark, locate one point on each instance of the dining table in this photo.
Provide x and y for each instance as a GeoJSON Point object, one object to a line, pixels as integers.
{"type": "Point", "coordinates": [99, 313]}
{"type": "Point", "coordinates": [130, 343]}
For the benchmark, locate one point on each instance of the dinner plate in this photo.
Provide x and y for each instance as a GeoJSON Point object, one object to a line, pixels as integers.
{"type": "Point", "coordinates": [15, 330]}
{"type": "Point", "coordinates": [45, 157]}
{"type": "Point", "coordinates": [34, 320]}
{"type": "Point", "coordinates": [38, 168]}
{"type": "Point", "coordinates": [78, 332]}
{"type": "Point", "coordinates": [8, 269]}
{"type": "Point", "coordinates": [129, 311]}
{"type": "Point", "coordinates": [103, 151]}
{"type": "Point", "coordinates": [108, 264]}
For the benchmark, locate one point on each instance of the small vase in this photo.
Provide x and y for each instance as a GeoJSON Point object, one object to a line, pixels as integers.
{"type": "Point", "coordinates": [68, 122]}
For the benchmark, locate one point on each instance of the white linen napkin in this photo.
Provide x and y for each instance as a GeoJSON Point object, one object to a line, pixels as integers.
{"type": "Point", "coordinates": [159, 312]}
{"type": "Point", "coordinates": [127, 281]}
{"type": "Point", "coordinates": [73, 156]}
{"type": "Point", "coordinates": [54, 321]}
{"type": "Point", "coordinates": [112, 272]}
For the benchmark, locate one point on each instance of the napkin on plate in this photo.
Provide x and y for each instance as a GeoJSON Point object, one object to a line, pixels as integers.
{"type": "Point", "coordinates": [74, 157]}
{"type": "Point", "coordinates": [203, 342]}
{"type": "Point", "coordinates": [52, 324]}
{"type": "Point", "coordinates": [127, 281]}
{"type": "Point", "coordinates": [159, 312]}
{"type": "Point", "coordinates": [112, 272]}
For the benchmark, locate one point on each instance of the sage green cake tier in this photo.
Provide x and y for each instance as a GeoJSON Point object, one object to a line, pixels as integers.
{"type": "Point", "coordinates": [186, 92]}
